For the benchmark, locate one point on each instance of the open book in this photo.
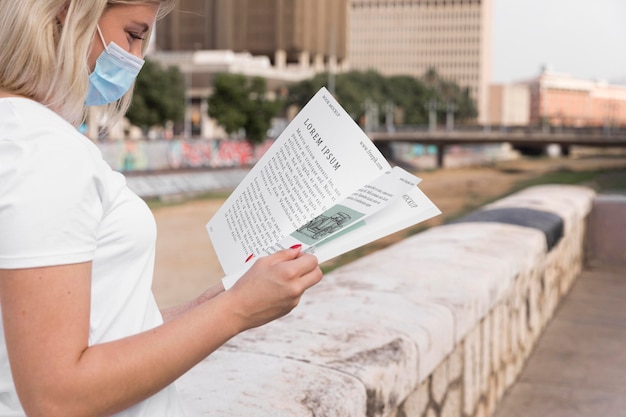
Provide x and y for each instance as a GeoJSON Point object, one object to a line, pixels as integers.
{"type": "Point", "coordinates": [322, 184]}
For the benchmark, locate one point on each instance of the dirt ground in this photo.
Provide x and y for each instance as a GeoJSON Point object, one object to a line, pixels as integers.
{"type": "Point", "coordinates": [186, 263]}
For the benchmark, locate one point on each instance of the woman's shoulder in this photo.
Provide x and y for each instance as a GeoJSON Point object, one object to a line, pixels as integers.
{"type": "Point", "coordinates": [22, 117]}
{"type": "Point", "coordinates": [22, 107]}
{"type": "Point", "coordinates": [28, 125]}
{"type": "Point", "coordinates": [37, 143]}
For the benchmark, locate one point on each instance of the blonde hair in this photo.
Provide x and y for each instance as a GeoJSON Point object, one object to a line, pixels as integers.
{"type": "Point", "coordinates": [45, 60]}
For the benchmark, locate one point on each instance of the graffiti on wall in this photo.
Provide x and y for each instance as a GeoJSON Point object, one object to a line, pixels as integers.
{"type": "Point", "coordinates": [179, 154]}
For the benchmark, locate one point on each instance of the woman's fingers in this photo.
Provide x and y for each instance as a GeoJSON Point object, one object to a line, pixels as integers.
{"type": "Point", "coordinates": [274, 284]}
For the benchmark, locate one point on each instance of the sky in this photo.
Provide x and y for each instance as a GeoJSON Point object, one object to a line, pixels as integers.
{"type": "Point", "coordinates": [583, 38]}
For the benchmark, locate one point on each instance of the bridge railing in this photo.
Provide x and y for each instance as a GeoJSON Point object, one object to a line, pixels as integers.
{"type": "Point", "coordinates": [584, 131]}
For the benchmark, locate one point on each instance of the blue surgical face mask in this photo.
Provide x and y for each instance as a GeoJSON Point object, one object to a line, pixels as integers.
{"type": "Point", "coordinates": [115, 72]}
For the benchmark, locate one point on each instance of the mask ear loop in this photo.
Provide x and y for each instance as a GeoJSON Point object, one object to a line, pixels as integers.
{"type": "Point", "coordinates": [101, 37]}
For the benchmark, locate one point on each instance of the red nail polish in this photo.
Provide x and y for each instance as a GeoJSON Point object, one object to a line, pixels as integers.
{"type": "Point", "coordinates": [250, 257]}
{"type": "Point", "coordinates": [298, 246]}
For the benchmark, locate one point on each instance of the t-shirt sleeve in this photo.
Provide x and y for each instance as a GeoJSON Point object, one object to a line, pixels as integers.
{"type": "Point", "coordinates": [50, 207]}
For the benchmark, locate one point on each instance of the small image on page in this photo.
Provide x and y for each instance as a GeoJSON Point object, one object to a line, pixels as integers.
{"type": "Point", "coordinates": [327, 223]}
{"type": "Point", "coordinates": [410, 209]}
{"type": "Point", "coordinates": [361, 204]}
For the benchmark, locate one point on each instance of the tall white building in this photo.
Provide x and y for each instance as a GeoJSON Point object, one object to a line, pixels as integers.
{"type": "Point", "coordinates": [409, 37]}
{"type": "Point", "coordinates": [393, 37]}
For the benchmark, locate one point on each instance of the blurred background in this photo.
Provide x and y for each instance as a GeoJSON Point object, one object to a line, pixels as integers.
{"type": "Point", "coordinates": [497, 89]}
{"type": "Point", "coordinates": [503, 94]}
{"type": "Point", "coordinates": [224, 77]}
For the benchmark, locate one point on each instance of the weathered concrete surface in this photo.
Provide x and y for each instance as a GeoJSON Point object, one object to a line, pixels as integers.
{"type": "Point", "coordinates": [607, 230]}
{"type": "Point", "coordinates": [265, 385]}
{"type": "Point", "coordinates": [549, 223]}
{"type": "Point", "coordinates": [578, 368]}
{"type": "Point", "coordinates": [438, 325]}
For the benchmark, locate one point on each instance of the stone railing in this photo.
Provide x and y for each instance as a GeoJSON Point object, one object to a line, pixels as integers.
{"type": "Point", "coordinates": [439, 324]}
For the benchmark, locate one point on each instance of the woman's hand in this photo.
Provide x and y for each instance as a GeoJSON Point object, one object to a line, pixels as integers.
{"type": "Point", "coordinates": [273, 287]}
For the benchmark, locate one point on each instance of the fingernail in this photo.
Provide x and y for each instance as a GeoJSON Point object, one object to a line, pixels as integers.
{"type": "Point", "coordinates": [250, 257]}
{"type": "Point", "coordinates": [298, 246]}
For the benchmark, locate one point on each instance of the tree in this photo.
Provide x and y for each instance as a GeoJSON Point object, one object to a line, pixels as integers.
{"type": "Point", "coordinates": [409, 95]}
{"type": "Point", "coordinates": [449, 93]}
{"type": "Point", "coordinates": [159, 96]}
{"type": "Point", "coordinates": [352, 90]}
{"type": "Point", "coordinates": [238, 102]}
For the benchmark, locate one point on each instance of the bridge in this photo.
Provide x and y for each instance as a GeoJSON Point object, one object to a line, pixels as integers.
{"type": "Point", "coordinates": [533, 141]}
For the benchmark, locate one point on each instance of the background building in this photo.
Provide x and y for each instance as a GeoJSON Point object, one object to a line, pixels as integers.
{"type": "Point", "coordinates": [409, 37]}
{"type": "Point", "coordinates": [561, 100]}
{"type": "Point", "coordinates": [287, 31]}
{"type": "Point", "coordinates": [199, 68]}
{"type": "Point", "coordinates": [301, 37]}
{"type": "Point", "coordinates": [509, 105]}
{"type": "Point", "coordinates": [558, 100]}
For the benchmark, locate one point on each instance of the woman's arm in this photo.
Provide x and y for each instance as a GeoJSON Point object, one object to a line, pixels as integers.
{"type": "Point", "coordinates": [56, 373]}
{"type": "Point", "coordinates": [175, 311]}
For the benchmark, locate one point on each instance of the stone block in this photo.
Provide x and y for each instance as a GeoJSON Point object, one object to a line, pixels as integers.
{"type": "Point", "coordinates": [416, 403]}
{"type": "Point", "coordinates": [491, 397]}
{"type": "Point", "coordinates": [479, 261]}
{"type": "Point", "coordinates": [607, 228]}
{"type": "Point", "coordinates": [384, 361]}
{"type": "Point", "coordinates": [429, 324]}
{"type": "Point", "coordinates": [481, 411]}
{"type": "Point", "coordinates": [496, 338]}
{"type": "Point", "coordinates": [439, 383]}
{"type": "Point", "coordinates": [510, 373]}
{"type": "Point", "coordinates": [501, 381]}
{"type": "Point", "coordinates": [253, 385]}
{"type": "Point", "coordinates": [570, 202]}
{"type": "Point", "coordinates": [455, 364]}
{"type": "Point", "coordinates": [550, 224]}
{"type": "Point", "coordinates": [471, 382]}
{"type": "Point", "coordinates": [485, 353]}
{"type": "Point", "coordinates": [452, 405]}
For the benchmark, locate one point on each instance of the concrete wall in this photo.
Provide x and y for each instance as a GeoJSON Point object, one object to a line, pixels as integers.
{"type": "Point", "coordinates": [509, 105]}
{"type": "Point", "coordinates": [607, 230]}
{"type": "Point", "coordinates": [437, 325]}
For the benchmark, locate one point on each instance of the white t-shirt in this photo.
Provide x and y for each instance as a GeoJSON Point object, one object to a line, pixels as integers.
{"type": "Point", "coordinates": [60, 203]}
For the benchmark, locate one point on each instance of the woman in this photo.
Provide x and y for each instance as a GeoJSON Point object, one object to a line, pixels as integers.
{"type": "Point", "coordinates": [81, 334]}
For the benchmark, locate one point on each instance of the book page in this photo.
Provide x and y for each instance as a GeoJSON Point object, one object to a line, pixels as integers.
{"type": "Point", "coordinates": [320, 159]}
{"type": "Point", "coordinates": [367, 200]}
{"type": "Point", "coordinates": [411, 208]}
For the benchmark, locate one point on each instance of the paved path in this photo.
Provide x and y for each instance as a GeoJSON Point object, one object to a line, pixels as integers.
{"type": "Point", "coordinates": [578, 368]}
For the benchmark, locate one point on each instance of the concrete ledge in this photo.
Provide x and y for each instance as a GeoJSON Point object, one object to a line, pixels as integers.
{"type": "Point", "coordinates": [607, 228]}
{"type": "Point", "coordinates": [437, 325]}
{"type": "Point", "coordinates": [220, 386]}
{"type": "Point", "coordinates": [549, 223]}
